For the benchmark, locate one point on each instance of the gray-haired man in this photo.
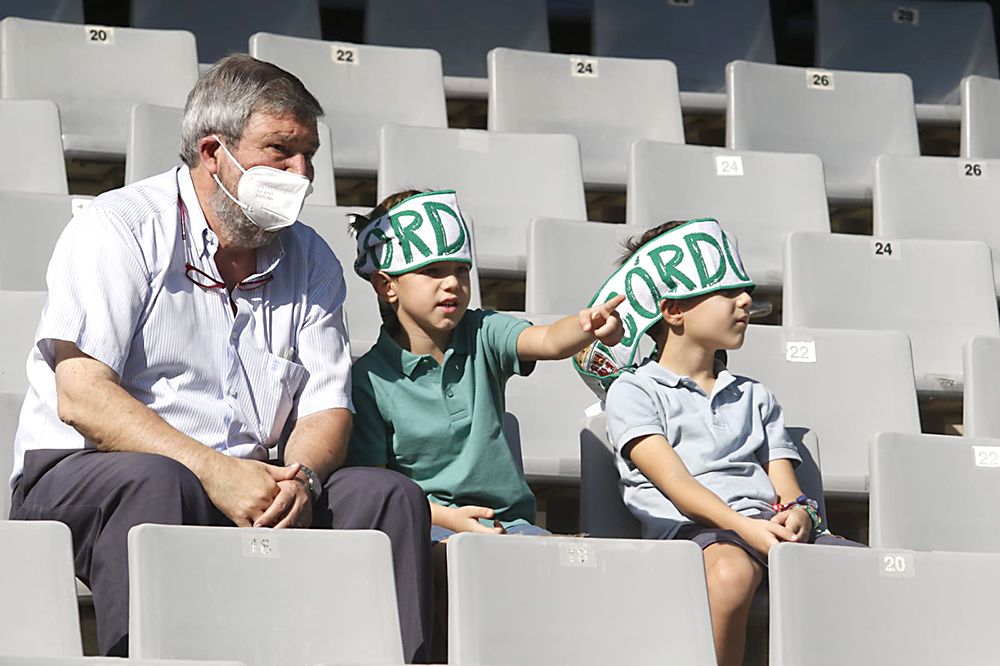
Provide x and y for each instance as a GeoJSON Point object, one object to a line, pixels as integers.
{"type": "Point", "coordinates": [190, 324]}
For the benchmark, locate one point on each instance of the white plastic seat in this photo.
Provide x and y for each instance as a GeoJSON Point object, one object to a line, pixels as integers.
{"type": "Point", "coordinates": [847, 118]}
{"type": "Point", "coordinates": [759, 197]}
{"type": "Point", "coordinates": [224, 26]}
{"type": "Point", "coordinates": [981, 361]}
{"type": "Point", "coordinates": [95, 74]}
{"type": "Point", "coordinates": [38, 616]}
{"type": "Point", "coordinates": [361, 306]}
{"type": "Point", "coordinates": [361, 88]}
{"type": "Point", "coordinates": [936, 43]}
{"type": "Point", "coordinates": [31, 127]}
{"type": "Point", "coordinates": [607, 103]}
{"type": "Point", "coordinates": [211, 593]}
{"type": "Point", "coordinates": [462, 31]}
{"type": "Point", "coordinates": [829, 379]}
{"type": "Point", "coordinates": [10, 411]}
{"type": "Point", "coordinates": [909, 476]}
{"type": "Point", "coordinates": [980, 105]}
{"type": "Point", "coordinates": [66, 11]}
{"type": "Point", "coordinates": [700, 36]}
{"type": "Point", "coordinates": [942, 198]}
{"type": "Point", "coordinates": [841, 281]}
{"type": "Point", "coordinates": [568, 601]}
{"type": "Point", "coordinates": [27, 248]}
{"type": "Point", "coordinates": [503, 180]}
{"type": "Point", "coordinates": [154, 138]}
{"type": "Point", "coordinates": [879, 606]}
{"type": "Point", "coordinates": [22, 312]}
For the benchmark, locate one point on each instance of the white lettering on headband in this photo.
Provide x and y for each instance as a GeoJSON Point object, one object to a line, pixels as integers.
{"type": "Point", "coordinates": [692, 259]}
{"type": "Point", "coordinates": [422, 229]}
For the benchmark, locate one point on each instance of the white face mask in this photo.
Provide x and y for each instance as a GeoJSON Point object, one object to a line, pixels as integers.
{"type": "Point", "coordinates": [270, 198]}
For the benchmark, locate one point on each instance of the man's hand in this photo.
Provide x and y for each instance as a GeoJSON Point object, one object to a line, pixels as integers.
{"type": "Point", "coordinates": [464, 518]}
{"type": "Point", "coordinates": [763, 534]}
{"type": "Point", "coordinates": [602, 321]}
{"type": "Point", "coordinates": [292, 506]}
{"type": "Point", "coordinates": [244, 489]}
{"type": "Point", "coordinates": [797, 520]}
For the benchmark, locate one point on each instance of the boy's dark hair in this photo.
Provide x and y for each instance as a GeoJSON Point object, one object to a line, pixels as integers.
{"type": "Point", "coordinates": [657, 331]}
{"type": "Point", "coordinates": [360, 222]}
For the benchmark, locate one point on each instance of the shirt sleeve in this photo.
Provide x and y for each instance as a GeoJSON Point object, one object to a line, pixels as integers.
{"type": "Point", "coordinates": [324, 349]}
{"type": "Point", "coordinates": [99, 283]}
{"type": "Point", "coordinates": [631, 414]}
{"type": "Point", "coordinates": [500, 333]}
{"type": "Point", "coordinates": [371, 436]}
{"type": "Point", "coordinates": [779, 444]}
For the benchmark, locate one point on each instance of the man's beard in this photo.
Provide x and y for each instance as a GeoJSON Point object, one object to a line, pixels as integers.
{"type": "Point", "coordinates": [235, 229]}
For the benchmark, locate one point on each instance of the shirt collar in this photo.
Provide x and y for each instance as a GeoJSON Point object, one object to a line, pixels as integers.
{"type": "Point", "coordinates": [408, 361]}
{"type": "Point", "coordinates": [667, 377]}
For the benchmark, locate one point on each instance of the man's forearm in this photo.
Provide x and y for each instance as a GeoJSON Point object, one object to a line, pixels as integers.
{"type": "Point", "coordinates": [319, 441]}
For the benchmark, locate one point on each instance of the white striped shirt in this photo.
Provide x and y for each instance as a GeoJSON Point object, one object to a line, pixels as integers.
{"type": "Point", "coordinates": [118, 290]}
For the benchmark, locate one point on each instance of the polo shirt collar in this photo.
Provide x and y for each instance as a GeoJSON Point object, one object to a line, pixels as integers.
{"type": "Point", "coordinates": [408, 361]}
{"type": "Point", "coordinates": [667, 377]}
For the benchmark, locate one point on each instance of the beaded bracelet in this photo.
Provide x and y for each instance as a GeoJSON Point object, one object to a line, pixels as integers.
{"type": "Point", "coordinates": [810, 506]}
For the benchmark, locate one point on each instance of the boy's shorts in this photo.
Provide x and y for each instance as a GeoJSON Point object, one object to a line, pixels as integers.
{"type": "Point", "coordinates": [706, 536]}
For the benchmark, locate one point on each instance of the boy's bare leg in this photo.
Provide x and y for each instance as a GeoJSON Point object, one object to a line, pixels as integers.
{"type": "Point", "coordinates": [733, 577]}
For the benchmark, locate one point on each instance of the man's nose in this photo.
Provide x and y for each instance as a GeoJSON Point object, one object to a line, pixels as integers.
{"type": "Point", "coordinates": [300, 165]}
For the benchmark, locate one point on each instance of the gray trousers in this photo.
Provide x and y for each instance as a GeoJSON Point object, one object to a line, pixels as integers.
{"type": "Point", "coordinates": [100, 496]}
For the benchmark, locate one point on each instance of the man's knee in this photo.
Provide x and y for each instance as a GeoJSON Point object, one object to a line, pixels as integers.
{"type": "Point", "coordinates": [382, 488]}
{"type": "Point", "coordinates": [155, 477]}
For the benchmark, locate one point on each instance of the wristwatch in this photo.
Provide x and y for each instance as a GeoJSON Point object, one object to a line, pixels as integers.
{"type": "Point", "coordinates": [312, 482]}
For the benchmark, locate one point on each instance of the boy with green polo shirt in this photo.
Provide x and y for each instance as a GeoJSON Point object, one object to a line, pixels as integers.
{"type": "Point", "coordinates": [429, 396]}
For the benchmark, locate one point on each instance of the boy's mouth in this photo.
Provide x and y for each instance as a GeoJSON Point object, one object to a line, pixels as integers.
{"type": "Point", "coordinates": [449, 305]}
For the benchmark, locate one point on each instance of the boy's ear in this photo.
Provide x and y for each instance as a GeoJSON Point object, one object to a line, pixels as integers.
{"type": "Point", "coordinates": [385, 287]}
{"type": "Point", "coordinates": [673, 313]}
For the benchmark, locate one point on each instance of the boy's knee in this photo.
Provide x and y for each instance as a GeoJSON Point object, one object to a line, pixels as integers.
{"type": "Point", "coordinates": [733, 572]}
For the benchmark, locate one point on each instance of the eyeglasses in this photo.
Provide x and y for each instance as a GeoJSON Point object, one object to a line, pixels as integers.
{"type": "Point", "coordinates": [200, 277]}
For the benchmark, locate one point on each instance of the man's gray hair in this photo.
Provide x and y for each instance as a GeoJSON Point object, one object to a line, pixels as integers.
{"type": "Point", "coordinates": [234, 88]}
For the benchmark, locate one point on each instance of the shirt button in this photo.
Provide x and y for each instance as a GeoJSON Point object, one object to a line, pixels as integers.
{"type": "Point", "coordinates": [451, 394]}
{"type": "Point", "coordinates": [233, 393]}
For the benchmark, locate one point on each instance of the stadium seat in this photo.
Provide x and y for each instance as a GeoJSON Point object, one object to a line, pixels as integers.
{"type": "Point", "coordinates": [980, 107]}
{"type": "Point", "coordinates": [830, 379]}
{"type": "Point", "coordinates": [558, 600]}
{"type": "Point", "coordinates": [602, 511]}
{"type": "Point", "coordinates": [22, 312]}
{"type": "Point", "coordinates": [699, 37]}
{"type": "Point", "coordinates": [10, 411]}
{"type": "Point", "coordinates": [31, 127]}
{"type": "Point", "coordinates": [65, 11]}
{"type": "Point", "coordinates": [38, 616]}
{"type": "Point", "coordinates": [943, 198]}
{"type": "Point", "coordinates": [108, 661]}
{"type": "Point", "coordinates": [568, 261]}
{"type": "Point", "coordinates": [910, 474]}
{"type": "Point", "coordinates": [832, 605]}
{"type": "Point", "coordinates": [936, 43]}
{"type": "Point", "coordinates": [361, 88]}
{"type": "Point", "coordinates": [759, 197]}
{"type": "Point", "coordinates": [981, 360]}
{"type": "Point", "coordinates": [27, 248]}
{"type": "Point", "coordinates": [463, 31]}
{"type": "Point", "coordinates": [607, 103]}
{"type": "Point", "coordinates": [847, 118]}
{"type": "Point", "coordinates": [95, 74]}
{"type": "Point", "coordinates": [361, 306]}
{"type": "Point", "coordinates": [224, 26]}
{"type": "Point", "coordinates": [841, 281]}
{"type": "Point", "coordinates": [154, 138]}
{"type": "Point", "coordinates": [222, 592]}
{"type": "Point", "coordinates": [503, 180]}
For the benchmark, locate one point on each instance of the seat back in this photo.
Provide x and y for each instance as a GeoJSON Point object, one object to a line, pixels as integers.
{"type": "Point", "coordinates": [200, 593]}
{"type": "Point", "coordinates": [980, 105]}
{"type": "Point", "coordinates": [10, 411]}
{"type": "Point", "coordinates": [32, 127]}
{"type": "Point", "coordinates": [66, 11]}
{"type": "Point", "coordinates": [606, 103]}
{"type": "Point", "coordinates": [95, 74]}
{"type": "Point", "coordinates": [361, 88]}
{"type": "Point", "coordinates": [25, 254]}
{"type": "Point", "coordinates": [22, 312]}
{"type": "Point", "coordinates": [847, 118]}
{"type": "Point", "coordinates": [568, 601]}
{"type": "Point", "coordinates": [981, 361]}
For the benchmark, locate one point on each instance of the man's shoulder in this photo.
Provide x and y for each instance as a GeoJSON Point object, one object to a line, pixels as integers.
{"type": "Point", "coordinates": [138, 203]}
{"type": "Point", "coordinates": [305, 243]}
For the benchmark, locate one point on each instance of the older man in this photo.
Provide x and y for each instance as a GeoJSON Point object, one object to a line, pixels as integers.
{"type": "Point", "coordinates": [191, 324]}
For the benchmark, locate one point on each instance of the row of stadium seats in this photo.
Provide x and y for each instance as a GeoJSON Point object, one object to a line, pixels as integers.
{"type": "Point", "coordinates": [936, 43]}
{"type": "Point", "coordinates": [204, 592]}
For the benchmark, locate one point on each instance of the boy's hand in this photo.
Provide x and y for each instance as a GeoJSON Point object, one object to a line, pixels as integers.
{"type": "Point", "coordinates": [466, 519]}
{"type": "Point", "coordinates": [797, 520]}
{"type": "Point", "coordinates": [762, 534]}
{"type": "Point", "coordinates": [603, 322]}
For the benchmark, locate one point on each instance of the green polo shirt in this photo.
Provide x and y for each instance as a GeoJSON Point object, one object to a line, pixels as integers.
{"type": "Point", "coordinates": [441, 425]}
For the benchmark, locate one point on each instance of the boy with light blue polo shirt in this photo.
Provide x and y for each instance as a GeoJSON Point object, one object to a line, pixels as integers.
{"type": "Point", "coordinates": [429, 396]}
{"type": "Point", "coordinates": [703, 454]}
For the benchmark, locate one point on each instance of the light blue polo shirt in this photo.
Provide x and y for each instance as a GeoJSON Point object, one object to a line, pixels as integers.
{"type": "Point", "coordinates": [442, 425]}
{"type": "Point", "coordinates": [724, 439]}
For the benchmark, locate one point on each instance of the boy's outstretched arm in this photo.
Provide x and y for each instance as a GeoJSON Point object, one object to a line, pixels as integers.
{"type": "Point", "coordinates": [782, 476]}
{"type": "Point", "coordinates": [571, 334]}
{"type": "Point", "coordinates": [655, 458]}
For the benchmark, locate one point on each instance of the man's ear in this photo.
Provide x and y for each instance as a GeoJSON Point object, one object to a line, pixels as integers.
{"type": "Point", "coordinates": [673, 313]}
{"type": "Point", "coordinates": [210, 152]}
{"type": "Point", "coordinates": [385, 287]}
